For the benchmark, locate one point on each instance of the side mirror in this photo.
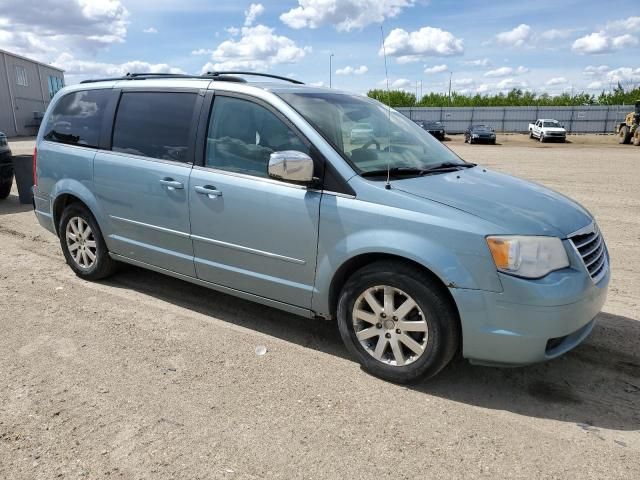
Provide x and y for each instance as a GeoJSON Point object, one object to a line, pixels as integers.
{"type": "Point", "coordinates": [291, 166]}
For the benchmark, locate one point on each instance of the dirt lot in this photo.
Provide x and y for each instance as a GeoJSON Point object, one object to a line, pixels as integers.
{"type": "Point", "coordinates": [147, 377]}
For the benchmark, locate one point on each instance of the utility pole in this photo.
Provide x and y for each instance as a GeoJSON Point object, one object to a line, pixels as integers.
{"type": "Point", "coordinates": [450, 75]}
{"type": "Point", "coordinates": [330, 69]}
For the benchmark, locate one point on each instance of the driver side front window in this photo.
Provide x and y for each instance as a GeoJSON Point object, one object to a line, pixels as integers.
{"type": "Point", "coordinates": [242, 136]}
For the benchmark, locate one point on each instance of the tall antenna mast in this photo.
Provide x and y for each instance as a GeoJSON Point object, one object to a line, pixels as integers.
{"type": "Point", "coordinates": [386, 74]}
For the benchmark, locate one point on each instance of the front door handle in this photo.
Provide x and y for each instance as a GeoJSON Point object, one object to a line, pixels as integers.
{"type": "Point", "coordinates": [208, 190]}
{"type": "Point", "coordinates": [171, 184]}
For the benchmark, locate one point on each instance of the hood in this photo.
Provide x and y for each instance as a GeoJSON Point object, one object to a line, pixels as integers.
{"type": "Point", "coordinates": [518, 206]}
{"type": "Point", "coordinates": [554, 129]}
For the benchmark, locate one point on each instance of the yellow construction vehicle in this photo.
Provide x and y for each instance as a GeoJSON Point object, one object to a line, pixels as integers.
{"type": "Point", "coordinates": [630, 129]}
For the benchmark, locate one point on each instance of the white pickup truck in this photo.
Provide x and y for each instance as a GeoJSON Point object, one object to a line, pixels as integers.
{"type": "Point", "coordinates": [547, 129]}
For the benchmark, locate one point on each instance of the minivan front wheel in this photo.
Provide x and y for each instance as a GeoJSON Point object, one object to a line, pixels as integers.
{"type": "Point", "coordinates": [82, 244]}
{"type": "Point", "coordinates": [398, 322]}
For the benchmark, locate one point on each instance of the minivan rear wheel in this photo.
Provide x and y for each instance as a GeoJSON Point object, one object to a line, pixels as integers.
{"type": "Point", "coordinates": [398, 322]}
{"type": "Point", "coordinates": [83, 245]}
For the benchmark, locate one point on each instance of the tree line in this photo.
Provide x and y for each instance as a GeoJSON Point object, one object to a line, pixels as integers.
{"type": "Point", "coordinates": [515, 98]}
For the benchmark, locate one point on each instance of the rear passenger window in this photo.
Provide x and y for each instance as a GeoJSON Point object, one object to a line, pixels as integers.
{"type": "Point", "coordinates": [154, 124]}
{"type": "Point", "coordinates": [242, 136]}
{"type": "Point", "coordinates": [77, 118]}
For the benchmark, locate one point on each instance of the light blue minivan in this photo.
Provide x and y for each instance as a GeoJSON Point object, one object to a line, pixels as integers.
{"type": "Point", "coordinates": [321, 203]}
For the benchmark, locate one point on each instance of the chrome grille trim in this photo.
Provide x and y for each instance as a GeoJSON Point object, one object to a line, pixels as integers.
{"type": "Point", "coordinates": [589, 245]}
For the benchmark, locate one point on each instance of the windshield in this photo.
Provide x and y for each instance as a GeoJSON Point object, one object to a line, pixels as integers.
{"type": "Point", "coordinates": [550, 124]}
{"type": "Point", "coordinates": [360, 130]}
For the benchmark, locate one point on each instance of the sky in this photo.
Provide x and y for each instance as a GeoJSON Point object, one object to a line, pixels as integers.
{"type": "Point", "coordinates": [482, 46]}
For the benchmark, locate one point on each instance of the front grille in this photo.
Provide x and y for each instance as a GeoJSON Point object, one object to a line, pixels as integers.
{"type": "Point", "coordinates": [590, 245]}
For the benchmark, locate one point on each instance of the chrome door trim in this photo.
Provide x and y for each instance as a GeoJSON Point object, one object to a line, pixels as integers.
{"type": "Point", "coordinates": [248, 250]}
{"type": "Point", "coordinates": [152, 227]}
{"type": "Point", "coordinates": [148, 159]}
{"type": "Point", "coordinates": [249, 177]}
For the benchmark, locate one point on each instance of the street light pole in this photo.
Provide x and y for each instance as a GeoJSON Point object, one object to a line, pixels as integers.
{"type": "Point", "coordinates": [450, 75]}
{"type": "Point", "coordinates": [330, 69]}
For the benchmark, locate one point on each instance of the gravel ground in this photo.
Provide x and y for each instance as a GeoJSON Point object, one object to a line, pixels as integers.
{"type": "Point", "coordinates": [147, 377]}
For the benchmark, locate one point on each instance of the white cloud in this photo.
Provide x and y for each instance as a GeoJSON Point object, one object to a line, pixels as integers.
{"type": "Point", "coordinates": [556, 34]}
{"type": "Point", "coordinates": [76, 70]}
{"type": "Point", "coordinates": [631, 24]}
{"type": "Point", "coordinates": [202, 51]}
{"type": "Point", "coordinates": [517, 37]}
{"type": "Point", "coordinates": [400, 84]}
{"type": "Point", "coordinates": [463, 82]}
{"type": "Point", "coordinates": [592, 70]}
{"type": "Point", "coordinates": [510, 83]}
{"type": "Point", "coordinates": [233, 31]}
{"type": "Point", "coordinates": [624, 75]}
{"type": "Point", "coordinates": [250, 15]}
{"type": "Point", "coordinates": [317, 84]}
{"type": "Point", "coordinates": [597, 85]}
{"type": "Point", "coordinates": [345, 15]}
{"type": "Point", "coordinates": [436, 69]}
{"type": "Point", "coordinates": [258, 48]}
{"type": "Point", "coordinates": [480, 62]}
{"type": "Point", "coordinates": [623, 41]}
{"type": "Point", "coordinates": [601, 42]}
{"type": "Point", "coordinates": [505, 71]}
{"type": "Point", "coordinates": [45, 28]}
{"type": "Point", "coordinates": [150, 30]}
{"type": "Point", "coordinates": [426, 42]}
{"type": "Point", "coordinates": [349, 70]}
{"type": "Point", "coordinates": [483, 88]}
{"type": "Point", "coordinates": [556, 81]}
{"type": "Point", "coordinates": [596, 42]}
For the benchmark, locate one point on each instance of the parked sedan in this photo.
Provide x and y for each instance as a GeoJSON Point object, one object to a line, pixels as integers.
{"type": "Point", "coordinates": [434, 128]}
{"type": "Point", "coordinates": [480, 133]}
{"type": "Point", "coordinates": [6, 167]}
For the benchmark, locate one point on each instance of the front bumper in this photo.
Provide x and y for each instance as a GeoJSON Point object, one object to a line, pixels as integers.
{"type": "Point", "coordinates": [530, 320]}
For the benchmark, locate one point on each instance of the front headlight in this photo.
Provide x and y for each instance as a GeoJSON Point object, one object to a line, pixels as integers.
{"type": "Point", "coordinates": [475, 135]}
{"type": "Point", "coordinates": [529, 257]}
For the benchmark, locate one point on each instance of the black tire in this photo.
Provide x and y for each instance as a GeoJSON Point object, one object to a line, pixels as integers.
{"type": "Point", "coordinates": [541, 137]}
{"type": "Point", "coordinates": [103, 265]}
{"type": "Point", "coordinates": [493, 142]}
{"type": "Point", "coordinates": [636, 137]}
{"type": "Point", "coordinates": [624, 134]}
{"type": "Point", "coordinates": [6, 181]}
{"type": "Point", "coordinates": [470, 140]}
{"type": "Point", "coordinates": [443, 324]}
{"type": "Point", "coordinates": [530, 134]}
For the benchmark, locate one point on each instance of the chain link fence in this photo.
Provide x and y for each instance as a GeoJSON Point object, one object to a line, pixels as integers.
{"type": "Point", "coordinates": [581, 119]}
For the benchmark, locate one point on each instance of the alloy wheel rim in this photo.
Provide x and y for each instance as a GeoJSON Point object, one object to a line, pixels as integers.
{"type": "Point", "coordinates": [81, 243]}
{"type": "Point", "coordinates": [390, 325]}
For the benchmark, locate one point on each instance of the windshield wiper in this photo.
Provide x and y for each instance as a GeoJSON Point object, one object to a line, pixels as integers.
{"type": "Point", "coordinates": [393, 172]}
{"type": "Point", "coordinates": [447, 166]}
{"type": "Point", "coordinates": [412, 171]}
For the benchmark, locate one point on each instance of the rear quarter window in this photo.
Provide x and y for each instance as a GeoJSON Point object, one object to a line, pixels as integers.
{"type": "Point", "coordinates": [154, 124]}
{"type": "Point", "coordinates": [77, 118]}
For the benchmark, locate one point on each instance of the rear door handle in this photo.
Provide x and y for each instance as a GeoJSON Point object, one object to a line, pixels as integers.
{"type": "Point", "coordinates": [171, 184]}
{"type": "Point", "coordinates": [208, 190]}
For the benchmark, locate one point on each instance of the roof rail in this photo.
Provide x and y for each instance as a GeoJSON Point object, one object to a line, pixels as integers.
{"type": "Point", "coordinates": [145, 76]}
{"type": "Point", "coordinates": [218, 76]}
{"type": "Point", "coordinates": [255, 74]}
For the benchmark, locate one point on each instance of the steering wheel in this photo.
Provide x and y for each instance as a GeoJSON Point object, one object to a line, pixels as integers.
{"type": "Point", "coordinates": [373, 141]}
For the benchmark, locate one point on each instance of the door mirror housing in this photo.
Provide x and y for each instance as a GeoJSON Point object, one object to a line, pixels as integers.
{"type": "Point", "coordinates": [291, 166]}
